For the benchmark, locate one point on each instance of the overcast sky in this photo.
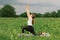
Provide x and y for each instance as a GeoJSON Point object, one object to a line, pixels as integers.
{"type": "Point", "coordinates": [39, 6]}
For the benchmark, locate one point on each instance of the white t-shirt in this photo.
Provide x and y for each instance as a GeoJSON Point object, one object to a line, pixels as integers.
{"type": "Point", "coordinates": [29, 22]}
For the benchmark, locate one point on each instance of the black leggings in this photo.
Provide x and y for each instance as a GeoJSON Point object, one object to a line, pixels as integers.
{"type": "Point", "coordinates": [29, 28]}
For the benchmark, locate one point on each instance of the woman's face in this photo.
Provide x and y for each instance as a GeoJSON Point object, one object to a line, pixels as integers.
{"type": "Point", "coordinates": [33, 16]}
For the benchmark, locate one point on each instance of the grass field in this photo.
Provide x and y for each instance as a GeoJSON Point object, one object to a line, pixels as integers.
{"type": "Point", "coordinates": [10, 27]}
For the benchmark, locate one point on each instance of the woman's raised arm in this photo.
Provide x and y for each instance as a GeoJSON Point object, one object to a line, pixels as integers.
{"type": "Point", "coordinates": [28, 11]}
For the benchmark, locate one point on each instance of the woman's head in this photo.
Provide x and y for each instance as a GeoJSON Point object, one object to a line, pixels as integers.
{"type": "Point", "coordinates": [33, 16]}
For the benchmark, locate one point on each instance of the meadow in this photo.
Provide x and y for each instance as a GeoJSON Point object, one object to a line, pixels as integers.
{"type": "Point", "coordinates": [10, 27]}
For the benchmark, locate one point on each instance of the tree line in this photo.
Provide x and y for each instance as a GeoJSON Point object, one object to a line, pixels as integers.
{"type": "Point", "coordinates": [47, 14]}
{"type": "Point", "coordinates": [9, 11]}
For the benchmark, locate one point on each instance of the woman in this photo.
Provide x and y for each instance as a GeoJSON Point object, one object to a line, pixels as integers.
{"type": "Point", "coordinates": [30, 22]}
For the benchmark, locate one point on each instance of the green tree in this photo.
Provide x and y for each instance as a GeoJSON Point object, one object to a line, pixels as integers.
{"type": "Point", "coordinates": [54, 14]}
{"type": "Point", "coordinates": [8, 11]}
{"type": "Point", "coordinates": [58, 13]}
{"type": "Point", "coordinates": [23, 14]}
{"type": "Point", "coordinates": [0, 12]}
{"type": "Point", "coordinates": [47, 14]}
{"type": "Point", "coordinates": [38, 14]}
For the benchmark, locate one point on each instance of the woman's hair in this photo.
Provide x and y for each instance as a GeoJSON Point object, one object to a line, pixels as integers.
{"type": "Point", "coordinates": [33, 16]}
{"type": "Point", "coordinates": [32, 21]}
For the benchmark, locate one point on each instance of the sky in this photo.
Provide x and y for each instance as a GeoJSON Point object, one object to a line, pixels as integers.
{"type": "Point", "coordinates": [38, 6]}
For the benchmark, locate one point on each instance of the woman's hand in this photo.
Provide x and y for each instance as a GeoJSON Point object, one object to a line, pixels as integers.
{"type": "Point", "coordinates": [27, 8]}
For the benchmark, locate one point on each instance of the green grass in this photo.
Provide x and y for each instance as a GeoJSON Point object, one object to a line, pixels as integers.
{"type": "Point", "coordinates": [10, 27]}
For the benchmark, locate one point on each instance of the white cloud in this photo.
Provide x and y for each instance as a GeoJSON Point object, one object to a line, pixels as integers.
{"type": "Point", "coordinates": [55, 2]}
{"type": "Point", "coordinates": [38, 9]}
{"type": "Point", "coordinates": [38, 5]}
